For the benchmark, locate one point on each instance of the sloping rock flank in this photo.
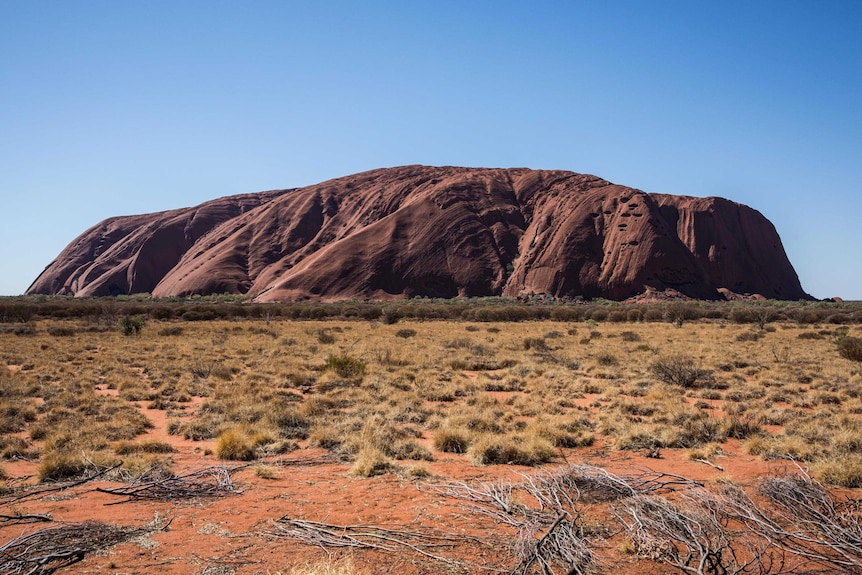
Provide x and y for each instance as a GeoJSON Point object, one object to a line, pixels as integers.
{"type": "Point", "coordinates": [437, 232]}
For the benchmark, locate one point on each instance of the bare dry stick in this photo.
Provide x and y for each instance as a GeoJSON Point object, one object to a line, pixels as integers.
{"type": "Point", "coordinates": [544, 510]}
{"type": "Point", "coordinates": [307, 461]}
{"type": "Point", "coordinates": [710, 463]}
{"type": "Point", "coordinates": [212, 481]}
{"type": "Point", "coordinates": [17, 518]}
{"type": "Point", "coordinates": [419, 540]}
{"type": "Point", "coordinates": [60, 486]}
{"type": "Point", "coordinates": [46, 550]}
{"type": "Point", "coordinates": [803, 519]}
{"type": "Point", "coordinates": [549, 529]}
{"type": "Point", "coordinates": [694, 535]}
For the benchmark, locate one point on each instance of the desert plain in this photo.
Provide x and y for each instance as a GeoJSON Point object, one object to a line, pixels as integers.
{"type": "Point", "coordinates": [492, 437]}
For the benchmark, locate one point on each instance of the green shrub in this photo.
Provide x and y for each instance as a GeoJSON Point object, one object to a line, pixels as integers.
{"type": "Point", "coordinates": [162, 313]}
{"type": "Point", "coordinates": [634, 315]}
{"type": "Point", "coordinates": [405, 333]}
{"type": "Point", "coordinates": [742, 315]}
{"type": "Point", "coordinates": [132, 324]}
{"type": "Point", "coordinates": [653, 314]}
{"type": "Point", "coordinates": [803, 316]}
{"type": "Point", "coordinates": [681, 312]}
{"type": "Point", "coordinates": [199, 315]}
{"type": "Point", "coordinates": [617, 316]}
{"type": "Point", "coordinates": [598, 315]}
{"type": "Point", "coordinates": [15, 311]}
{"type": "Point", "coordinates": [391, 315]}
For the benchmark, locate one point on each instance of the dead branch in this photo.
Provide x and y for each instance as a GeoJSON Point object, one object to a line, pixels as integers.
{"type": "Point", "coordinates": [696, 533]}
{"type": "Point", "coordinates": [549, 527]}
{"type": "Point", "coordinates": [692, 536]}
{"type": "Point", "coordinates": [327, 459]}
{"type": "Point", "coordinates": [36, 492]}
{"type": "Point", "coordinates": [560, 545]}
{"type": "Point", "coordinates": [17, 518]}
{"type": "Point", "coordinates": [422, 540]}
{"type": "Point", "coordinates": [492, 499]}
{"type": "Point", "coordinates": [804, 519]}
{"type": "Point", "coordinates": [47, 550]}
{"type": "Point", "coordinates": [710, 463]}
{"type": "Point", "coordinates": [214, 481]}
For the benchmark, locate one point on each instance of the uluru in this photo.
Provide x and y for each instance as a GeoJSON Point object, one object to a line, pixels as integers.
{"type": "Point", "coordinates": [438, 232]}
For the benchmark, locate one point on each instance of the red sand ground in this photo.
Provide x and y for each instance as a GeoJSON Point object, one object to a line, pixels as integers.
{"type": "Point", "coordinates": [230, 534]}
{"type": "Point", "coordinates": [236, 534]}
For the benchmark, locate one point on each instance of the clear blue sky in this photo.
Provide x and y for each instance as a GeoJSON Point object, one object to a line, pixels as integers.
{"type": "Point", "coordinates": [113, 108]}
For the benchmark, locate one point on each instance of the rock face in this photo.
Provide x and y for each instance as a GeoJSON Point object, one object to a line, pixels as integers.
{"type": "Point", "coordinates": [437, 232]}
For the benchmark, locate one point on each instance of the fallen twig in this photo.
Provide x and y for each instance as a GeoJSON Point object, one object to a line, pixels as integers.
{"type": "Point", "coordinates": [46, 550]}
{"type": "Point", "coordinates": [708, 462]}
{"type": "Point", "coordinates": [212, 481]}
{"type": "Point", "coordinates": [35, 492]}
{"type": "Point", "coordinates": [308, 461]}
{"type": "Point", "coordinates": [17, 518]}
{"type": "Point", "coordinates": [418, 539]}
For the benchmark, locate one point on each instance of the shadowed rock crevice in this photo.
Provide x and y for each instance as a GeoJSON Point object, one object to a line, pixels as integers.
{"type": "Point", "coordinates": [436, 232]}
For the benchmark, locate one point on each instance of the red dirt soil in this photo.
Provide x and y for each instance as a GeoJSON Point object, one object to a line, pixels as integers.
{"type": "Point", "coordinates": [233, 534]}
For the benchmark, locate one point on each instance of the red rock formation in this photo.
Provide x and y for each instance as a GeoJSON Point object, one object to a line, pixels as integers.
{"type": "Point", "coordinates": [439, 232]}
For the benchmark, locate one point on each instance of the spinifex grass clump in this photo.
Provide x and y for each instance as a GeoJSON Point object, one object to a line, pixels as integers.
{"type": "Point", "coordinates": [241, 443]}
{"type": "Point", "coordinates": [345, 366]}
{"type": "Point", "coordinates": [235, 444]}
{"type": "Point", "coordinates": [511, 449]}
{"type": "Point", "coordinates": [452, 440]}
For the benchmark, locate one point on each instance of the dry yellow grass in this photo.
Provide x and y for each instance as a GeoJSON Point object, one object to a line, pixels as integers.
{"type": "Point", "coordinates": [384, 395]}
{"type": "Point", "coordinates": [344, 566]}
